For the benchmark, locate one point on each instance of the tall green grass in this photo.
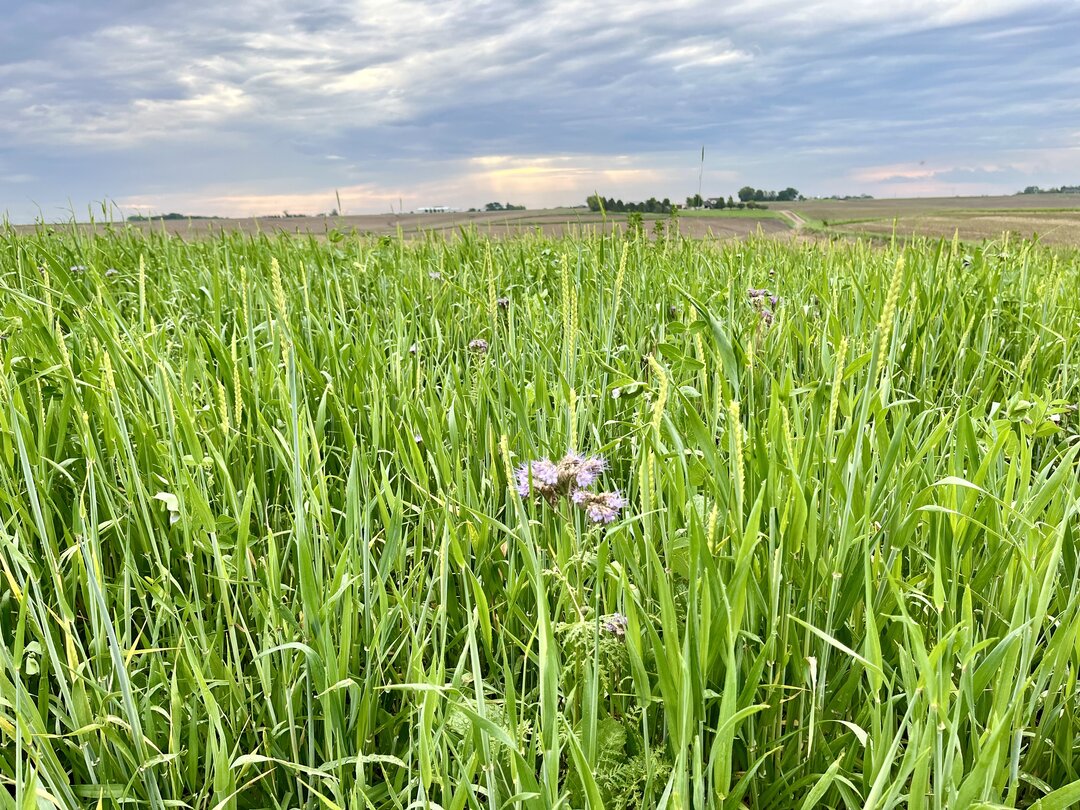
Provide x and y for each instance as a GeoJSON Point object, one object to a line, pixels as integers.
{"type": "Point", "coordinates": [257, 552]}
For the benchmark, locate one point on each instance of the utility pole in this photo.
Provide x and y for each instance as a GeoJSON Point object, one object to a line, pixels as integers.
{"type": "Point", "coordinates": [701, 171]}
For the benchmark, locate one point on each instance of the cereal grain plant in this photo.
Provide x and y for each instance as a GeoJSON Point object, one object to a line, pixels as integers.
{"type": "Point", "coordinates": [275, 529]}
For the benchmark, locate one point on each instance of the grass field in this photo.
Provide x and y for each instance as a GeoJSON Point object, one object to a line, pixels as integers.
{"type": "Point", "coordinates": [264, 542]}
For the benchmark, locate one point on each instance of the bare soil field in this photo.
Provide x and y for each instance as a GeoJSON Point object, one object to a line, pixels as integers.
{"type": "Point", "coordinates": [1053, 218]}
{"type": "Point", "coordinates": [549, 223]}
{"type": "Point", "coordinates": [1051, 228]}
{"type": "Point", "coordinates": [845, 210]}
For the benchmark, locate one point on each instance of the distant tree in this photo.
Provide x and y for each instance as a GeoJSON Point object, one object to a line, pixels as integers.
{"type": "Point", "coordinates": [730, 201]}
{"type": "Point", "coordinates": [746, 193]}
{"type": "Point", "coordinates": [695, 201]}
{"type": "Point", "coordinates": [789, 194]}
{"type": "Point", "coordinates": [720, 203]}
{"type": "Point", "coordinates": [594, 201]}
{"type": "Point", "coordinates": [493, 206]}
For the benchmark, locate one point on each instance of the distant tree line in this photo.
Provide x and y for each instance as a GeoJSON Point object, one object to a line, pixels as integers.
{"type": "Point", "coordinates": [1059, 190]}
{"type": "Point", "coordinates": [650, 206]}
{"type": "Point", "coordinates": [498, 206]}
{"type": "Point", "coordinates": [749, 197]}
{"type": "Point", "coordinates": [751, 194]}
{"type": "Point", "coordinates": [156, 217]}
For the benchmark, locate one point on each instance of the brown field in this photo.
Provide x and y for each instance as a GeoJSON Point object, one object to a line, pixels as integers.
{"type": "Point", "coordinates": [841, 210]}
{"type": "Point", "coordinates": [1053, 218]}
{"type": "Point", "coordinates": [549, 222]}
{"type": "Point", "coordinates": [1051, 228]}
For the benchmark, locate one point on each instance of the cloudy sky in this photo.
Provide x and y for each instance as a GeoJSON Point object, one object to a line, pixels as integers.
{"type": "Point", "coordinates": [269, 105]}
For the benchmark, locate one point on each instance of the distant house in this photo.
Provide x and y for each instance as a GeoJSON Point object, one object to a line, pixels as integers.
{"type": "Point", "coordinates": [435, 209]}
{"type": "Point", "coordinates": [715, 202]}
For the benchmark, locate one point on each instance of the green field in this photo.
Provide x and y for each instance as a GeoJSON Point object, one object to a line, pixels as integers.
{"type": "Point", "coordinates": [262, 542]}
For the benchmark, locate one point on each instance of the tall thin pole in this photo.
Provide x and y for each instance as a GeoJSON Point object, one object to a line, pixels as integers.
{"type": "Point", "coordinates": [701, 171]}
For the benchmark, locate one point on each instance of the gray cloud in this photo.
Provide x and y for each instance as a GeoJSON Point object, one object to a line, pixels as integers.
{"type": "Point", "coordinates": [199, 102]}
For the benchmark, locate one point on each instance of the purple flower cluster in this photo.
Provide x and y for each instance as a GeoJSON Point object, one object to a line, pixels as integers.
{"type": "Point", "coordinates": [479, 345]}
{"type": "Point", "coordinates": [538, 476]}
{"type": "Point", "coordinates": [757, 300]}
{"type": "Point", "coordinates": [571, 478]}
{"type": "Point", "coordinates": [616, 624]}
{"type": "Point", "coordinates": [600, 507]}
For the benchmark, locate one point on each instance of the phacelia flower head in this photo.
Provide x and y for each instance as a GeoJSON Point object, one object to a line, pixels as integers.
{"type": "Point", "coordinates": [503, 303]}
{"type": "Point", "coordinates": [578, 471]}
{"type": "Point", "coordinates": [589, 471]}
{"type": "Point", "coordinates": [570, 479]}
{"type": "Point", "coordinates": [615, 624]}
{"type": "Point", "coordinates": [766, 317]}
{"type": "Point", "coordinates": [541, 476]}
{"type": "Point", "coordinates": [479, 345]}
{"type": "Point", "coordinates": [600, 507]}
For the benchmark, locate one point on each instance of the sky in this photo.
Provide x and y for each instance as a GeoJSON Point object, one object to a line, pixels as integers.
{"type": "Point", "coordinates": [265, 106]}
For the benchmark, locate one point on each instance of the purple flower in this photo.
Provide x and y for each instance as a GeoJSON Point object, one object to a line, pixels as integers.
{"type": "Point", "coordinates": [600, 507]}
{"type": "Point", "coordinates": [754, 292]}
{"type": "Point", "coordinates": [480, 346]}
{"type": "Point", "coordinates": [766, 317]}
{"type": "Point", "coordinates": [541, 475]}
{"type": "Point", "coordinates": [774, 300]}
{"type": "Point", "coordinates": [570, 478]}
{"type": "Point", "coordinates": [78, 268]}
{"type": "Point", "coordinates": [576, 470]}
{"type": "Point", "coordinates": [503, 303]}
{"type": "Point", "coordinates": [615, 624]}
{"type": "Point", "coordinates": [589, 471]}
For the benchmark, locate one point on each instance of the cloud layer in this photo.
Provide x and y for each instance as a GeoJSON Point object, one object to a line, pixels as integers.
{"type": "Point", "coordinates": [251, 108]}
